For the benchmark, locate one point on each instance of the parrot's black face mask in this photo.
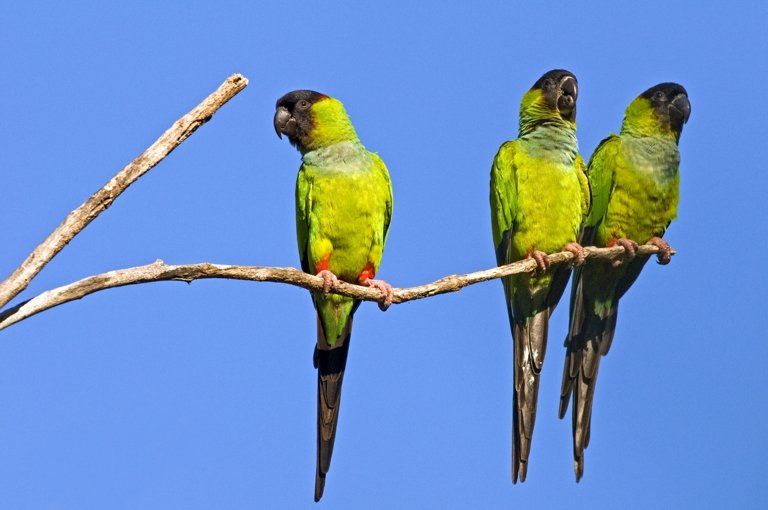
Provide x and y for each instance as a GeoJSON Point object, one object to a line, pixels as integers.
{"type": "Point", "coordinates": [560, 89]}
{"type": "Point", "coordinates": [293, 114]}
{"type": "Point", "coordinates": [670, 100]}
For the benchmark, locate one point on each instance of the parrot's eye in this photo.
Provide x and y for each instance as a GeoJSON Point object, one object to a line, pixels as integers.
{"type": "Point", "coordinates": [303, 104]}
{"type": "Point", "coordinates": [659, 95]}
{"type": "Point", "coordinates": [548, 84]}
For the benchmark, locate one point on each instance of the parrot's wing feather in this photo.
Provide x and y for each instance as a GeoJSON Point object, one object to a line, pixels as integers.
{"type": "Point", "coordinates": [586, 190]}
{"type": "Point", "coordinates": [303, 207]}
{"type": "Point", "coordinates": [600, 175]}
{"type": "Point", "coordinates": [380, 168]}
{"type": "Point", "coordinates": [582, 356]}
{"type": "Point", "coordinates": [503, 200]}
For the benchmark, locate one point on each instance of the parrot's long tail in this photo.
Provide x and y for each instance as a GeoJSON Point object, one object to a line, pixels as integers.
{"type": "Point", "coordinates": [589, 339]}
{"type": "Point", "coordinates": [590, 336]}
{"type": "Point", "coordinates": [530, 344]}
{"type": "Point", "coordinates": [330, 364]}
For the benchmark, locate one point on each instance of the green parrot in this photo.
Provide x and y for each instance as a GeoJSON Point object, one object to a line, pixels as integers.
{"type": "Point", "coordinates": [539, 199]}
{"type": "Point", "coordinates": [634, 180]}
{"type": "Point", "coordinates": [343, 211]}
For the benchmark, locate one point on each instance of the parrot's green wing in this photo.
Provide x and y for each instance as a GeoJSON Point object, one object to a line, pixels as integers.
{"type": "Point", "coordinates": [582, 358]}
{"type": "Point", "coordinates": [600, 176]}
{"type": "Point", "coordinates": [303, 207]}
{"type": "Point", "coordinates": [586, 191]}
{"type": "Point", "coordinates": [503, 200]}
{"type": "Point", "coordinates": [380, 169]}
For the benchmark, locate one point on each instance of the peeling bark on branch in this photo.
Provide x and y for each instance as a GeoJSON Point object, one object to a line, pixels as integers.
{"type": "Point", "coordinates": [159, 271]}
{"type": "Point", "coordinates": [78, 219]}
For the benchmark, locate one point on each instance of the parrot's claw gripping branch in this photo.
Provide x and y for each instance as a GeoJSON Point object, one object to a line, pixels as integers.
{"type": "Point", "coordinates": [665, 251]}
{"type": "Point", "coordinates": [630, 250]}
{"type": "Point", "coordinates": [580, 256]}
{"type": "Point", "coordinates": [386, 292]}
{"type": "Point", "coordinates": [330, 281]}
{"type": "Point", "coordinates": [542, 261]}
{"type": "Point", "coordinates": [160, 271]}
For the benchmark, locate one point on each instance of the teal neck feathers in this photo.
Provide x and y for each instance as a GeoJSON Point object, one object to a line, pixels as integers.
{"type": "Point", "coordinates": [553, 139]}
{"type": "Point", "coordinates": [340, 157]}
{"type": "Point", "coordinates": [654, 154]}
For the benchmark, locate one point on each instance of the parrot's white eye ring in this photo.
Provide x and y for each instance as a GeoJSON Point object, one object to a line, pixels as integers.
{"type": "Point", "coordinates": [303, 104]}
{"type": "Point", "coordinates": [659, 95]}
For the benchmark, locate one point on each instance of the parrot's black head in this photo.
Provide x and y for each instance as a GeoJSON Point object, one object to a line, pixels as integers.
{"type": "Point", "coordinates": [293, 114]}
{"type": "Point", "coordinates": [670, 101]}
{"type": "Point", "coordinates": [560, 90]}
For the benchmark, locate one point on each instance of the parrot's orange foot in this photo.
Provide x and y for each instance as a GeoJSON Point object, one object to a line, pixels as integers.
{"type": "Point", "coordinates": [579, 254]}
{"type": "Point", "coordinates": [384, 287]}
{"type": "Point", "coordinates": [542, 261]}
{"type": "Point", "coordinates": [630, 250]}
{"type": "Point", "coordinates": [665, 250]}
{"type": "Point", "coordinates": [329, 281]}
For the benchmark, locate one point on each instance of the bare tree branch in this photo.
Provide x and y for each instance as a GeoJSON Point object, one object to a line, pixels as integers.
{"type": "Point", "coordinates": [160, 271]}
{"type": "Point", "coordinates": [78, 219]}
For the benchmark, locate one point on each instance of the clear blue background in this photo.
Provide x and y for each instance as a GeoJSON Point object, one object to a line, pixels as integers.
{"type": "Point", "coordinates": [173, 396]}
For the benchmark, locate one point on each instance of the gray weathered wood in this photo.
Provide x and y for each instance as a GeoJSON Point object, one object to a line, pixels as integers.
{"type": "Point", "coordinates": [160, 271]}
{"type": "Point", "coordinates": [78, 219]}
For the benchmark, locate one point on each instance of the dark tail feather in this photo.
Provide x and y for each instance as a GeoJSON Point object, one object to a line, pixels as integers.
{"type": "Point", "coordinates": [586, 345]}
{"type": "Point", "coordinates": [583, 394]}
{"type": "Point", "coordinates": [573, 352]}
{"type": "Point", "coordinates": [330, 364]}
{"type": "Point", "coordinates": [530, 343]}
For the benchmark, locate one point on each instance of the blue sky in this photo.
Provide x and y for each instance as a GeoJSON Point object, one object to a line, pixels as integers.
{"type": "Point", "coordinates": [203, 396]}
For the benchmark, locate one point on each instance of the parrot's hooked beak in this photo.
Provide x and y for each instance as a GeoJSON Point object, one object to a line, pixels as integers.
{"type": "Point", "coordinates": [568, 94]}
{"type": "Point", "coordinates": [284, 122]}
{"type": "Point", "coordinates": [680, 107]}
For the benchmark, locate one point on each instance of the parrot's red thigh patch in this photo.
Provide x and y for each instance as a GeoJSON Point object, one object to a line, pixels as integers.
{"type": "Point", "coordinates": [368, 273]}
{"type": "Point", "coordinates": [322, 265]}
